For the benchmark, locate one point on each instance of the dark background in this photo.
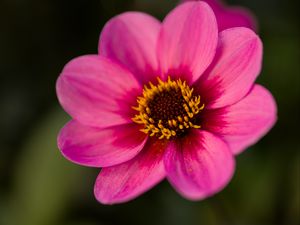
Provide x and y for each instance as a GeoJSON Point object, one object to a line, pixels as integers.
{"type": "Point", "coordinates": [40, 187]}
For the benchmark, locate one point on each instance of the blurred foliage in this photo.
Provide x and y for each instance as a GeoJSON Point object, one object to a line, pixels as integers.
{"type": "Point", "coordinates": [43, 182]}
{"type": "Point", "coordinates": [40, 187]}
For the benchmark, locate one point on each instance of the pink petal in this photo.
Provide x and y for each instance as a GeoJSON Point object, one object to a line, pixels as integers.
{"type": "Point", "coordinates": [127, 181]}
{"type": "Point", "coordinates": [130, 39]}
{"type": "Point", "coordinates": [199, 166]}
{"type": "Point", "coordinates": [236, 65]}
{"type": "Point", "coordinates": [228, 16]}
{"type": "Point", "coordinates": [235, 17]}
{"type": "Point", "coordinates": [245, 122]}
{"type": "Point", "coordinates": [97, 92]}
{"type": "Point", "coordinates": [100, 147]}
{"type": "Point", "coordinates": [187, 40]}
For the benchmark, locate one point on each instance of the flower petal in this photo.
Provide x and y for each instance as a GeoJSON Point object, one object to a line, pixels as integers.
{"type": "Point", "coordinates": [199, 166]}
{"type": "Point", "coordinates": [236, 65]}
{"type": "Point", "coordinates": [245, 122]}
{"type": "Point", "coordinates": [235, 16]}
{"type": "Point", "coordinates": [97, 92]}
{"type": "Point", "coordinates": [130, 39]}
{"type": "Point", "coordinates": [100, 147]}
{"type": "Point", "coordinates": [187, 40]}
{"type": "Point", "coordinates": [126, 181]}
{"type": "Point", "coordinates": [231, 16]}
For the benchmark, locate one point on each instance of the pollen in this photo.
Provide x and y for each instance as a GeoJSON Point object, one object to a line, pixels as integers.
{"type": "Point", "coordinates": [168, 109]}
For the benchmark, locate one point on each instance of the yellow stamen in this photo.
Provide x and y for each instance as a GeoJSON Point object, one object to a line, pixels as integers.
{"type": "Point", "coordinates": [167, 109]}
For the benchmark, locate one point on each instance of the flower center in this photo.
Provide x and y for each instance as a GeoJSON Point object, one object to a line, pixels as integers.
{"type": "Point", "coordinates": [167, 109]}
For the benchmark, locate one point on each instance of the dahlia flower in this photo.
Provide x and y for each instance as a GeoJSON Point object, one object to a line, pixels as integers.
{"type": "Point", "coordinates": [173, 100]}
{"type": "Point", "coordinates": [231, 16]}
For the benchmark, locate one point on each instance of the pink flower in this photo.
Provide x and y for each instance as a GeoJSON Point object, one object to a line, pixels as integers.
{"type": "Point", "coordinates": [173, 100]}
{"type": "Point", "coordinates": [231, 16]}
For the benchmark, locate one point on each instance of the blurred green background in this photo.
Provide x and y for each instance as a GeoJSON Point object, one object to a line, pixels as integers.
{"type": "Point", "coordinates": [40, 187]}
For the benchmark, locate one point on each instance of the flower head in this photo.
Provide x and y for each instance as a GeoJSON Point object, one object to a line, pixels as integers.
{"type": "Point", "coordinates": [231, 16]}
{"type": "Point", "coordinates": [173, 100]}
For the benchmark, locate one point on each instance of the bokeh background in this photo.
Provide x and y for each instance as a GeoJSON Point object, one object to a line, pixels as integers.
{"type": "Point", "coordinates": [40, 187]}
